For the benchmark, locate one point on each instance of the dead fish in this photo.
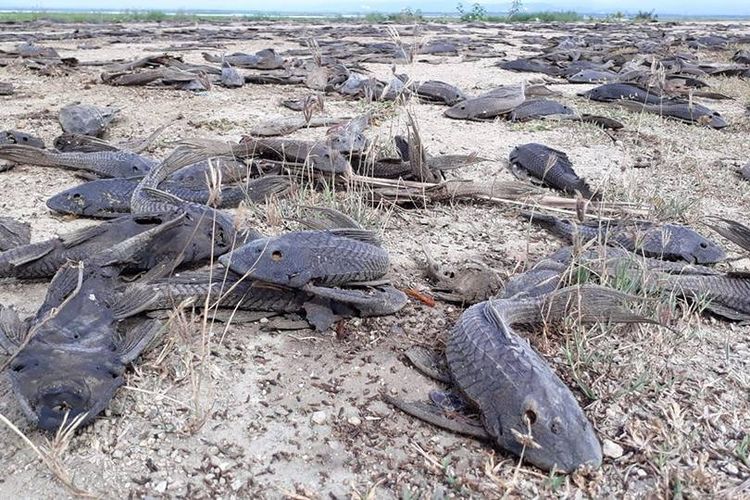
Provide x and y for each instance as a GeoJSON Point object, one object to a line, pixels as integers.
{"type": "Point", "coordinates": [320, 156]}
{"type": "Point", "coordinates": [301, 258]}
{"type": "Point", "coordinates": [593, 76]}
{"type": "Point", "coordinates": [348, 138]}
{"type": "Point", "coordinates": [230, 77]}
{"type": "Point", "coordinates": [16, 137]}
{"type": "Point", "coordinates": [550, 166]}
{"type": "Point", "coordinates": [538, 108]}
{"type": "Point", "coordinates": [101, 164]}
{"type": "Point", "coordinates": [13, 233]}
{"type": "Point", "coordinates": [437, 91]}
{"type": "Point", "coordinates": [622, 91]}
{"type": "Point", "coordinates": [7, 88]}
{"type": "Point", "coordinates": [500, 376]}
{"type": "Point", "coordinates": [496, 102]}
{"type": "Point", "coordinates": [74, 362]}
{"type": "Point", "coordinates": [288, 124]}
{"type": "Point", "coordinates": [530, 66]}
{"type": "Point", "coordinates": [659, 241]}
{"type": "Point", "coordinates": [263, 59]}
{"type": "Point", "coordinates": [685, 112]}
{"type": "Point", "coordinates": [85, 119]}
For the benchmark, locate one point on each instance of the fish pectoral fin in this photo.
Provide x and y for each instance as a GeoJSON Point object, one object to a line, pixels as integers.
{"type": "Point", "coordinates": [727, 312]}
{"type": "Point", "coordinates": [163, 196]}
{"type": "Point", "coordinates": [81, 236]}
{"type": "Point", "coordinates": [30, 255]}
{"type": "Point", "coordinates": [319, 315]}
{"type": "Point", "coordinates": [135, 299]}
{"type": "Point", "coordinates": [137, 339]}
{"type": "Point", "coordinates": [431, 413]}
{"type": "Point", "coordinates": [12, 330]}
{"type": "Point", "coordinates": [429, 362]}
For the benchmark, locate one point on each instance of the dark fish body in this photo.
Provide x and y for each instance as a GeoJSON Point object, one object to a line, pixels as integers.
{"type": "Point", "coordinates": [482, 108]}
{"type": "Point", "coordinates": [230, 77]}
{"type": "Point", "coordinates": [538, 108]}
{"type": "Point", "coordinates": [515, 390]}
{"type": "Point", "coordinates": [107, 198]}
{"type": "Point", "coordinates": [309, 257]}
{"type": "Point", "coordinates": [44, 258]}
{"type": "Point", "coordinates": [70, 143]}
{"type": "Point", "coordinates": [227, 289]}
{"type": "Point", "coordinates": [622, 91]}
{"type": "Point", "coordinates": [73, 363]}
{"type": "Point", "coordinates": [320, 156]}
{"type": "Point", "coordinates": [16, 137]}
{"type": "Point", "coordinates": [667, 241]}
{"type": "Point", "coordinates": [436, 91]}
{"type": "Point", "coordinates": [689, 113]}
{"type": "Point", "coordinates": [101, 163]}
{"type": "Point", "coordinates": [593, 76]}
{"type": "Point", "coordinates": [85, 119]}
{"type": "Point", "coordinates": [530, 66]}
{"type": "Point", "coordinates": [552, 167]}
{"type": "Point", "coordinates": [13, 233]}
{"type": "Point", "coordinates": [263, 59]}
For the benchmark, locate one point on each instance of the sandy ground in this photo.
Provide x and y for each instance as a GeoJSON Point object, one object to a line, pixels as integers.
{"type": "Point", "coordinates": [257, 410]}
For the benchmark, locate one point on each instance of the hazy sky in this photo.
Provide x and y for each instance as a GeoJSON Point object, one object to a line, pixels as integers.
{"type": "Point", "coordinates": [689, 7]}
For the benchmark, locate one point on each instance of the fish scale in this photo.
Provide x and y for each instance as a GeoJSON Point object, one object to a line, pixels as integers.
{"type": "Point", "coordinates": [295, 259]}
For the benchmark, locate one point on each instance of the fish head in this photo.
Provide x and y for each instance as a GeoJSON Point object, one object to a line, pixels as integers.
{"type": "Point", "coordinates": [326, 159]}
{"type": "Point", "coordinates": [55, 385]}
{"type": "Point", "coordinates": [272, 260]}
{"type": "Point", "coordinates": [703, 251]}
{"type": "Point", "coordinates": [459, 111]}
{"type": "Point", "coordinates": [71, 201]}
{"type": "Point", "coordinates": [16, 137]}
{"type": "Point", "coordinates": [563, 438]}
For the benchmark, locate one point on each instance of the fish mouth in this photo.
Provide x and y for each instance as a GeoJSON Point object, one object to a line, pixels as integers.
{"type": "Point", "coordinates": [61, 402]}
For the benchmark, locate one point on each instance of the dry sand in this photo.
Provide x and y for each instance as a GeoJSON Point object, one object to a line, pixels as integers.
{"type": "Point", "coordinates": [272, 413]}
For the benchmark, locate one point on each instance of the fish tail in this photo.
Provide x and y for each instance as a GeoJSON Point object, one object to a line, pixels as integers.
{"type": "Point", "coordinates": [17, 153]}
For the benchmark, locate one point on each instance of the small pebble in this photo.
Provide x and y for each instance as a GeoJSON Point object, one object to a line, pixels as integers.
{"type": "Point", "coordinates": [611, 449]}
{"type": "Point", "coordinates": [319, 417]}
{"type": "Point", "coordinates": [354, 420]}
{"type": "Point", "coordinates": [161, 486]}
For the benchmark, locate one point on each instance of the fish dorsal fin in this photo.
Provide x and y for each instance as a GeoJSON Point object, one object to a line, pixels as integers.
{"type": "Point", "coordinates": [85, 234]}
{"type": "Point", "coordinates": [137, 339]}
{"type": "Point", "coordinates": [493, 314]}
{"type": "Point", "coordinates": [363, 235]}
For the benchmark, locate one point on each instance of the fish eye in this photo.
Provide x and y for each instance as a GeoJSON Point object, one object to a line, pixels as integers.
{"type": "Point", "coordinates": [704, 244]}
{"type": "Point", "coordinates": [276, 255]}
{"type": "Point", "coordinates": [463, 106]}
{"type": "Point", "coordinates": [76, 196]}
{"type": "Point", "coordinates": [530, 416]}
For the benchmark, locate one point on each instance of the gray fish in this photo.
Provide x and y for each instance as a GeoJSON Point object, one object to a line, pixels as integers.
{"type": "Point", "coordinates": [263, 59]}
{"type": "Point", "coordinates": [593, 76]}
{"type": "Point", "coordinates": [550, 166]}
{"type": "Point", "coordinates": [16, 137]}
{"type": "Point", "coordinates": [500, 376]}
{"type": "Point", "coordinates": [320, 156]}
{"type": "Point", "coordinates": [622, 91]}
{"type": "Point", "coordinates": [660, 241]}
{"type": "Point", "coordinates": [437, 91]}
{"type": "Point", "coordinates": [327, 258]}
{"type": "Point", "coordinates": [108, 198]}
{"type": "Point", "coordinates": [348, 137]}
{"type": "Point", "coordinates": [77, 143]}
{"type": "Point", "coordinates": [230, 77]}
{"type": "Point", "coordinates": [227, 289]}
{"type": "Point", "coordinates": [530, 66]}
{"type": "Point", "coordinates": [101, 164]}
{"type": "Point", "coordinates": [686, 112]}
{"type": "Point", "coordinates": [74, 362]}
{"type": "Point", "coordinates": [537, 108]}
{"type": "Point", "coordinates": [13, 233]}
{"type": "Point", "coordinates": [85, 119]}
{"type": "Point", "coordinates": [482, 108]}
{"type": "Point", "coordinates": [7, 88]}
